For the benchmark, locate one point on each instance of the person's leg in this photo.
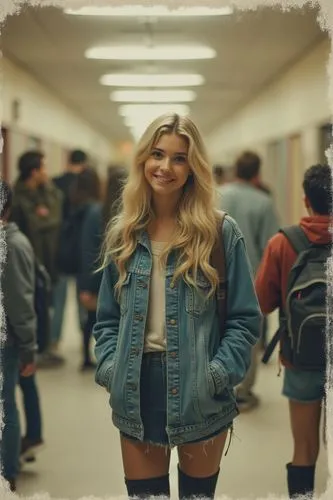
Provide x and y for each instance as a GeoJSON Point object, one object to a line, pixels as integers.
{"type": "Point", "coordinates": [11, 437]}
{"type": "Point", "coordinates": [246, 400]}
{"type": "Point", "coordinates": [32, 408]}
{"type": "Point", "coordinates": [305, 421]}
{"type": "Point", "coordinates": [81, 311]}
{"type": "Point", "coordinates": [59, 304]}
{"type": "Point", "coordinates": [146, 468]}
{"type": "Point", "coordinates": [305, 391]}
{"type": "Point", "coordinates": [199, 467]}
{"type": "Point", "coordinates": [33, 439]}
{"type": "Point", "coordinates": [87, 334]}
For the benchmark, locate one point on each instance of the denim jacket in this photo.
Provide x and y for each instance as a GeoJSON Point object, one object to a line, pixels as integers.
{"type": "Point", "coordinates": [202, 367]}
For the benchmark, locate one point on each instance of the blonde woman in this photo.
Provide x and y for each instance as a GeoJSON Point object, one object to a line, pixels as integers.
{"type": "Point", "coordinates": [158, 343]}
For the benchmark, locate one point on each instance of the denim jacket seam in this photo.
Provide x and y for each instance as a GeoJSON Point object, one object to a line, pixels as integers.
{"type": "Point", "coordinates": [233, 238]}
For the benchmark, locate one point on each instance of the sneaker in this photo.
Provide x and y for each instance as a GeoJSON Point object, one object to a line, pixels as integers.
{"type": "Point", "coordinates": [247, 403]}
{"type": "Point", "coordinates": [29, 447]}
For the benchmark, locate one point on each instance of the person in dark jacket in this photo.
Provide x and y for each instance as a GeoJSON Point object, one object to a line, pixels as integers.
{"type": "Point", "coordinates": [18, 352]}
{"type": "Point", "coordinates": [97, 217]}
{"type": "Point", "coordinates": [86, 198]}
{"type": "Point", "coordinates": [77, 162]}
{"type": "Point", "coordinates": [37, 211]}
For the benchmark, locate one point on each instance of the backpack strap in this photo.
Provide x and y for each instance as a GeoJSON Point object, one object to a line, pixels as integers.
{"type": "Point", "coordinates": [219, 263]}
{"type": "Point", "coordinates": [271, 346]}
{"type": "Point", "coordinates": [297, 238]}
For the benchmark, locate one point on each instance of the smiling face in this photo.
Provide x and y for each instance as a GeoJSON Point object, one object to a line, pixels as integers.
{"type": "Point", "coordinates": [167, 168]}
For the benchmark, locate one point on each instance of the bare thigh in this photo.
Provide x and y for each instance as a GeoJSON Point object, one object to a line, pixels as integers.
{"type": "Point", "coordinates": [202, 459]}
{"type": "Point", "coordinates": [305, 425]}
{"type": "Point", "coordinates": [143, 460]}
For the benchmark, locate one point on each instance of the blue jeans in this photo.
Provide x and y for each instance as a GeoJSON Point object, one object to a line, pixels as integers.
{"type": "Point", "coordinates": [33, 417]}
{"type": "Point", "coordinates": [11, 435]}
{"type": "Point", "coordinates": [59, 304]}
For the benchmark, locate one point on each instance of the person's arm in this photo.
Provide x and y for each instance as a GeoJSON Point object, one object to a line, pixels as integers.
{"type": "Point", "coordinates": [106, 328]}
{"type": "Point", "coordinates": [243, 323]}
{"type": "Point", "coordinates": [19, 294]}
{"type": "Point", "coordinates": [268, 279]}
{"type": "Point", "coordinates": [269, 226]}
{"type": "Point", "coordinates": [17, 216]}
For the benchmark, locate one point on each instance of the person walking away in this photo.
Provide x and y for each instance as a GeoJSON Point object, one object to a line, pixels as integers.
{"type": "Point", "coordinates": [37, 205]}
{"type": "Point", "coordinates": [254, 212]}
{"type": "Point", "coordinates": [87, 216]}
{"type": "Point", "coordinates": [77, 162]}
{"type": "Point", "coordinates": [95, 221]}
{"type": "Point", "coordinates": [18, 352]}
{"type": "Point", "coordinates": [161, 352]}
{"type": "Point", "coordinates": [292, 278]}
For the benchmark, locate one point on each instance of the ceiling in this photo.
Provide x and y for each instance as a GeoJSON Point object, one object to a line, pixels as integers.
{"type": "Point", "coordinates": [252, 49]}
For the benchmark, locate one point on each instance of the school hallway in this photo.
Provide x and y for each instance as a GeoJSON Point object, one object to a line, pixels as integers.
{"type": "Point", "coordinates": [82, 453]}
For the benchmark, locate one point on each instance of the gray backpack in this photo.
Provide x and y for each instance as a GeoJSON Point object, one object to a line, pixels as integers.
{"type": "Point", "coordinates": [303, 319]}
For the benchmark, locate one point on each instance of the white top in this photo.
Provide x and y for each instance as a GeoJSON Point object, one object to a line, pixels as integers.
{"type": "Point", "coordinates": [155, 338]}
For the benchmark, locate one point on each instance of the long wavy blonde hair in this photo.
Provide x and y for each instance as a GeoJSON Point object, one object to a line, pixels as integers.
{"type": "Point", "coordinates": [197, 217]}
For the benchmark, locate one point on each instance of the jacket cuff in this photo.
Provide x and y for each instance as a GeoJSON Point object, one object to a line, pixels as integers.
{"type": "Point", "coordinates": [219, 376]}
{"type": "Point", "coordinates": [104, 376]}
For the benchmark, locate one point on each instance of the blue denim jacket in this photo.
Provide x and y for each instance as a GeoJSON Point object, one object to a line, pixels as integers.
{"type": "Point", "coordinates": [202, 369]}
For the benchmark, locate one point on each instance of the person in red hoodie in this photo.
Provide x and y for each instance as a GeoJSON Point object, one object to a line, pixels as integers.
{"type": "Point", "coordinates": [305, 390]}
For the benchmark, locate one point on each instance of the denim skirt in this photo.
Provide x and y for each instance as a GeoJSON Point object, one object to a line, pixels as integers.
{"type": "Point", "coordinates": [153, 397]}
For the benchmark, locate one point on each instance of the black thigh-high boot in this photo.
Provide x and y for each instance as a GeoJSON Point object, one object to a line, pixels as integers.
{"type": "Point", "coordinates": [191, 487]}
{"type": "Point", "coordinates": [143, 488]}
{"type": "Point", "coordinates": [300, 480]}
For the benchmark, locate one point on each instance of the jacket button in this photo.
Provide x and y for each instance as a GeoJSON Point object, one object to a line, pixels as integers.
{"type": "Point", "coordinates": [172, 286]}
{"type": "Point", "coordinates": [173, 354]}
{"type": "Point", "coordinates": [139, 317]}
{"type": "Point", "coordinates": [133, 387]}
{"type": "Point", "coordinates": [173, 322]}
{"type": "Point", "coordinates": [174, 391]}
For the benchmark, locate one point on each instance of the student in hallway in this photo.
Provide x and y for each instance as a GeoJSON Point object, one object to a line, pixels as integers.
{"type": "Point", "coordinates": [161, 351]}
{"type": "Point", "coordinates": [18, 354]}
{"type": "Point", "coordinates": [77, 162]}
{"type": "Point", "coordinates": [304, 387]}
{"type": "Point", "coordinates": [254, 212]}
{"type": "Point", "coordinates": [37, 211]}
{"type": "Point", "coordinates": [86, 199]}
{"type": "Point", "coordinates": [97, 217]}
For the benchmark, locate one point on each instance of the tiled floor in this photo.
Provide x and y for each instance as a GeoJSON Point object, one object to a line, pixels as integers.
{"type": "Point", "coordinates": [82, 455]}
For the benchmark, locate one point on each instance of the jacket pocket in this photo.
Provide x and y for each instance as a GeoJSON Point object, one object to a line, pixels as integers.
{"type": "Point", "coordinates": [196, 299]}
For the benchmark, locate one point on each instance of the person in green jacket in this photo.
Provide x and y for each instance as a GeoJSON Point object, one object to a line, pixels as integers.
{"type": "Point", "coordinates": [37, 211]}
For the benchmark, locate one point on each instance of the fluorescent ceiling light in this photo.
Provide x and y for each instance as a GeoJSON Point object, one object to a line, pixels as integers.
{"type": "Point", "coordinates": [139, 110]}
{"type": "Point", "coordinates": [152, 80]}
{"type": "Point", "coordinates": [152, 11]}
{"type": "Point", "coordinates": [163, 52]}
{"type": "Point", "coordinates": [153, 96]}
